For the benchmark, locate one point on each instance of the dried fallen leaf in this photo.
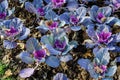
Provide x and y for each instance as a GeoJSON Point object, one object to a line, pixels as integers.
{"type": "Point", "coordinates": [87, 41]}
{"type": "Point", "coordinates": [22, 45]}
{"type": "Point", "coordinates": [6, 59]}
{"type": "Point", "coordinates": [86, 55]}
{"type": "Point", "coordinates": [7, 74]}
{"type": "Point", "coordinates": [83, 73]}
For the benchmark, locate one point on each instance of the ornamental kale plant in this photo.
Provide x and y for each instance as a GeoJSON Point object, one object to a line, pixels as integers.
{"type": "Point", "coordinates": [102, 37]}
{"type": "Point", "coordinates": [3, 7]}
{"type": "Point", "coordinates": [58, 47]}
{"type": "Point", "coordinates": [55, 49]}
{"type": "Point", "coordinates": [99, 16]}
{"type": "Point", "coordinates": [58, 3]}
{"type": "Point", "coordinates": [74, 19]}
{"type": "Point", "coordinates": [68, 5]}
{"type": "Point", "coordinates": [49, 25]}
{"type": "Point", "coordinates": [13, 30]}
{"type": "Point", "coordinates": [37, 7]}
{"type": "Point", "coordinates": [99, 37]}
{"type": "Point", "coordinates": [4, 11]}
{"type": "Point", "coordinates": [32, 49]}
{"type": "Point", "coordinates": [116, 4]}
{"type": "Point", "coordinates": [58, 33]}
{"type": "Point", "coordinates": [98, 67]}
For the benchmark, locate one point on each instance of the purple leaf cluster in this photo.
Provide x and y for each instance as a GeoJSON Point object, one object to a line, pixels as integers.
{"type": "Point", "coordinates": [13, 30]}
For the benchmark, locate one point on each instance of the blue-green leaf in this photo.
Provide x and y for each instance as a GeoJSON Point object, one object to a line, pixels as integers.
{"type": "Point", "coordinates": [53, 61]}
{"type": "Point", "coordinates": [25, 57]}
{"type": "Point", "coordinates": [32, 44]}
{"type": "Point", "coordinates": [84, 63]}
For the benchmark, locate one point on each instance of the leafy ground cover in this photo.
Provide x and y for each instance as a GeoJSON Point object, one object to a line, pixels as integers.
{"type": "Point", "coordinates": [73, 33]}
